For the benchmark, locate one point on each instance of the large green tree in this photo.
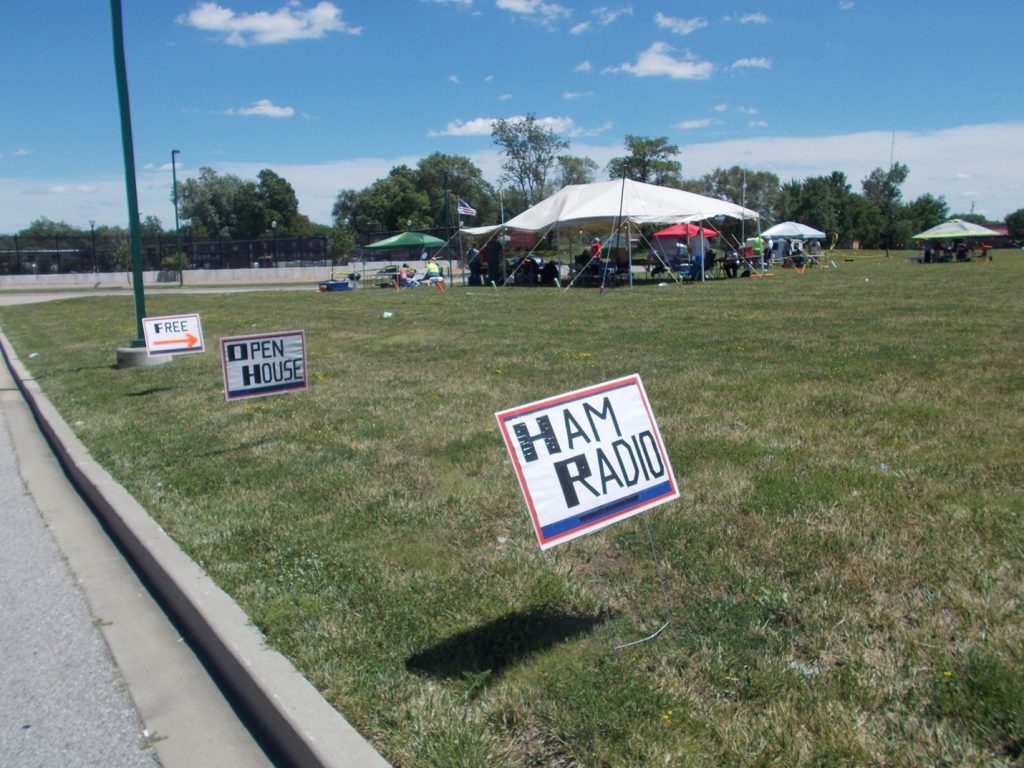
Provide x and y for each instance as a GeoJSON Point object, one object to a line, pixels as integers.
{"type": "Point", "coordinates": [279, 203]}
{"type": "Point", "coordinates": [925, 212]}
{"type": "Point", "coordinates": [227, 205]}
{"type": "Point", "coordinates": [43, 228]}
{"type": "Point", "coordinates": [389, 204]}
{"type": "Point", "coordinates": [1015, 225]}
{"type": "Point", "coordinates": [463, 179]}
{"type": "Point", "coordinates": [757, 190]}
{"type": "Point", "coordinates": [574, 170]}
{"type": "Point", "coordinates": [649, 160]}
{"type": "Point", "coordinates": [415, 197]}
{"type": "Point", "coordinates": [822, 202]}
{"type": "Point", "coordinates": [530, 150]}
{"type": "Point", "coordinates": [882, 189]}
{"type": "Point", "coordinates": [206, 201]}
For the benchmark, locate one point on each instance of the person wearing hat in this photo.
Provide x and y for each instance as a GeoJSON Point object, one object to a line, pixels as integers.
{"type": "Point", "coordinates": [595, 248]}
{"type": "Point", "coordinates": [432, 273]}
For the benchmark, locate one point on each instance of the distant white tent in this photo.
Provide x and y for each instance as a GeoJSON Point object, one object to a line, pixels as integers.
{"type": "Point", "coordinates": [793, 229]}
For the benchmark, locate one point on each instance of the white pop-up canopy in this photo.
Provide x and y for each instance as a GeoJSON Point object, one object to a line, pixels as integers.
{"type": "Point", "coordinates": [793, 229]}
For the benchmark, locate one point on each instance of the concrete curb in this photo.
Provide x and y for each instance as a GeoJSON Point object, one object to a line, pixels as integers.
{"type": "Point", "coordinates": [286, 708]}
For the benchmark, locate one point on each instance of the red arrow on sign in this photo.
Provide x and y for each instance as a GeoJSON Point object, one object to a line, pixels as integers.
{"type": "Point", "coordinates": [188, 340]}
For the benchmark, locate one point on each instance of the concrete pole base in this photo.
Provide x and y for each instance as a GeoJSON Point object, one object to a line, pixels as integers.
{"type": "Point", "coordinates": [134, 357]}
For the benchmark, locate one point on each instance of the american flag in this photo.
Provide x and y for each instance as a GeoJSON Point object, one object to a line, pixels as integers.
{"type": "Point", "coordinates": [465, 209]}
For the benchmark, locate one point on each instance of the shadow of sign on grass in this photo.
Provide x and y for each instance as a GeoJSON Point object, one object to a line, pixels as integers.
{"type": "Point", "coordinates": [491, 648]}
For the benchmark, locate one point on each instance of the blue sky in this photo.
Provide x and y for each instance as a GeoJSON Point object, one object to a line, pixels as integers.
{"type": "Point", "coordinates": [332, 95]}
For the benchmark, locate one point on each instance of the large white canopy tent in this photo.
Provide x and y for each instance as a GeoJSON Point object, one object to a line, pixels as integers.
{"type": "Point", "coordinates": [621, 203]}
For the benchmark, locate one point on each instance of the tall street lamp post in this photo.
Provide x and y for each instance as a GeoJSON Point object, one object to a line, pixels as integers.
{"type": "Point", "coordinates": [273, 228]}
{"type": "Point", "coordinates": [131, 356]}
{"type": "Point", "coordinates": [177, 229]}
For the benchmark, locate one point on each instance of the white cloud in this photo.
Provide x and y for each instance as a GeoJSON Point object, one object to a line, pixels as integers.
{"type": "Point", "coordinates": [846, 5]}
{"type": "Point", "coordinates": [557, 124]}
{"type": "Point", "coordinates": [22, 152]}
{"type": "Point", "coordinates": [608, 16]}
{"type": "Point", "coordinates": [262, 108]}
{"type": "Point", "coordinates": [480, 126]}
{"type": "Point", "coordinates": [61, 189]}
{"type": "Point", "coordinates": [759, 62]}
{"type": "Point", "coordinates": [284, 25]}
{"type": "Point", "coordinates": [657, 61]}
{"type": "Point", "coordinates": [753, 18]}
{"type": "Point", "coordinates": [580, 28]}
{"type": "Point", "coordinates": [689, 125]}
{"type": "Point", "coordinates": [584, 66]}
{"type": "Point", "coordinates": [537, 10]}
{"type": "Point", "coordinates": [571, 95]}
{"type": "Point", "coordinates": [679, 26]}
{"type": "Point", "coordinates": [720, 107]}
{"type": "Point", "coordinates": [757, 124]}
{"type": "Point", "coordinates": [454, 79]}
{"type": "Point", "coordinates": [505, 97]}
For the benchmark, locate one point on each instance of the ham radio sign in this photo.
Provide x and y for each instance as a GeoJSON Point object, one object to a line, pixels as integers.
{"type": "Point", "coordinates": [263, 364]}
{"type": "Point", "coordinates": [588, 458]}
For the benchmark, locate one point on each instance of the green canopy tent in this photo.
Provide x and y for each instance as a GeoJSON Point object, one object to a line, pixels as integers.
{"type": "Point", "coordinates": [955, 229]}
{"type": "Point", "coordinates": [406, 241]}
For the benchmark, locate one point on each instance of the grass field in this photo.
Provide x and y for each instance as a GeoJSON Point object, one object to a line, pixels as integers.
{"type": "Point", "coordinates": [844, 570]}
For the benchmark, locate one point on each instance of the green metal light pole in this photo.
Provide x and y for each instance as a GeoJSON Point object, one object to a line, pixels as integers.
{"type": "Point", "coordinates": [129, 173]}
{"type": "Point", "coordinates": [177, 229]}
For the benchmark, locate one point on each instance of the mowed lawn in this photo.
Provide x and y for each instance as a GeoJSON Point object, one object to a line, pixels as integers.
{"type": "Point", "coordinates": [844, 571]}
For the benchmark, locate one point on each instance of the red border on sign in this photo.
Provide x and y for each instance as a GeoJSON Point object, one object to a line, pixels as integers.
{"type": "Point", "coordinates": [540, 405]}
{"type": "Point", "coordinates": [224, 366]}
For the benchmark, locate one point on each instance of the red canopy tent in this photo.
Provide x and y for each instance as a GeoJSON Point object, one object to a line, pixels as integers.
{"type": "Point", "coordinates": [664, 241]}
{"type": "Point", "coordinates": [686, 229]}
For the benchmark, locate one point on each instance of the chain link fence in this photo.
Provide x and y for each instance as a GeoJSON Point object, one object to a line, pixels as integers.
{"type": "Point", "coordinates": [86, 252]}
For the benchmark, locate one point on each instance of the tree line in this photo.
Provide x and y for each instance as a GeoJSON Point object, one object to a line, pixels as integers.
{"type": "Point", "coordinates": [535, 164]}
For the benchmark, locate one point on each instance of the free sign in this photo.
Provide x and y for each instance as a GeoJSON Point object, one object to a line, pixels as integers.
{"type": "Point", "coordinates": [588, 458]}
{"type": "Point", "coordinates": [173, 335]}
{"type": "Point", "coordinates": [263, 364]}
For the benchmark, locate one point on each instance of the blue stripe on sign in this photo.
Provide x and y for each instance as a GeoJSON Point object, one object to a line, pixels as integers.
{"type": "Point", "coordinates": [597, 514]}
{"type": "Point", "coordinates": [266, 389]}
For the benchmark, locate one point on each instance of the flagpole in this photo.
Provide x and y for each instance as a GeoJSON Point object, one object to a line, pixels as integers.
{"type": "Point", "coordinates": [743, 220]}
{"type": "Point", "coordinates": [448, 227]}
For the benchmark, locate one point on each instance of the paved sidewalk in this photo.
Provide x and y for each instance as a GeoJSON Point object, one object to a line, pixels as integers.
{"type": "Point", "coordinates": [92, 672]}
{"type": "Point", "coordinates": [63, 702]}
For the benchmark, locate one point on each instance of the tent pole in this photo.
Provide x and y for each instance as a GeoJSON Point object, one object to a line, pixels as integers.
{"type": "Point", "coordinates": [629, 254]}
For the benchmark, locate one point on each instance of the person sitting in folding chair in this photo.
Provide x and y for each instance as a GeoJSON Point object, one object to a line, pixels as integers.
{"type": "Point", "coordinates": [405, 277]}
{"type": "Point", "coordinates": [432, 274]}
